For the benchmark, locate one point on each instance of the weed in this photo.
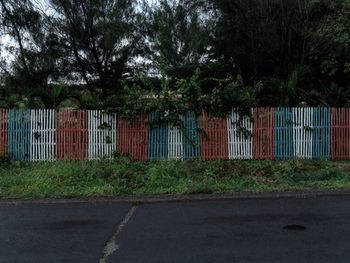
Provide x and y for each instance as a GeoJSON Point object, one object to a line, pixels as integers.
{"type": "Point", "coordinates": [121, 176]}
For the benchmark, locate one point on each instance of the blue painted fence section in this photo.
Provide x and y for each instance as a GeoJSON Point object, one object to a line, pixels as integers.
{"type": "Point", "coordinates": [284, 134]}
{"type": "Point", "coordinates": [191, 139]}
{"type": "Point", "coordinates": [322, 133]}
{"type": "Point", "coordinates": [19, 135]}
{"type": "Point", "coordinates": [158, 140]}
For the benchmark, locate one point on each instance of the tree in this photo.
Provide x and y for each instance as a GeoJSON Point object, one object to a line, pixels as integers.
{"type": "Point", "coordinates": [32, 53]}
{"type": "Point", "coordinates": [329, 59]}
{"type": "Point", "coordinates": [99, 38]}
{"type": "Point", "coordinates": [276, 52]}
{"type": "Point", "coordinates": [177, 34]}
{"type": "Point", "coordinates": [256, 38]}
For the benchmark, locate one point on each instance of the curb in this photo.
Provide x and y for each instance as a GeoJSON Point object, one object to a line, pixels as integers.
{"type": "Point", "coordinates": [181, 198]}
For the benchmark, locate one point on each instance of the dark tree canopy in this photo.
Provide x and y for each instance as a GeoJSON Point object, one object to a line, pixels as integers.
{"type": "Point", "coordinates": [178, 36]}
{"type": "Point", "coordinates": [99, 38]}
{"type": "Point", "coordinates": [100, 53]}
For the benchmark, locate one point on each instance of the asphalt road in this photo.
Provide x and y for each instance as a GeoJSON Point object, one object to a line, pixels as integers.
{"type": "Point", "coordinates": [255, 230]}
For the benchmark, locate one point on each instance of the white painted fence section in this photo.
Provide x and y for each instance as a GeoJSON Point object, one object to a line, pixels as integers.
{"type": "Point", "coordinates": [175, 145]}
{"type": "Point", "coordinates": [43, 135]}
{"type": "Point", "coordinates": [302, 132]}
{"type": "Point", "coordinates": [240, 142]}
{"type": "Point", "coordinates": [102, 134]}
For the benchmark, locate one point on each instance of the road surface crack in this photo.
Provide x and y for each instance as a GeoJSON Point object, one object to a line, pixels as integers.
{"type": "Point", "coordinates": [111, 245]}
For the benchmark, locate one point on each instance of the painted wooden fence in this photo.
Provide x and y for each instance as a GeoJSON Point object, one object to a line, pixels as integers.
{"type": "Point", "coordinates": [322, 133]}
{"type": "Point", "coordinates": [43, 132]}
{"type": "Point", "coordinates": [302, 122]}
{"type": "Point", "coordinates": [133, 137]}
{"type": "Point", "coordinates": [158, 139]}
{"type": "Point", "coordinates": [19, 135]}
{"type": "Point", "coordinates": [175, 143]}
{"type": "Point", "coordinates": [240, 136]}
{"type": "Point", "coordinates": [264, 134]}
{"type": "Point", "coordinates": [72, 135]}
{"type": "Point", "coordinates": [102, 134]}
{"type": "Point", "coordinates": [191, 136]}
{"type": "Point", "coordinates": [3, 132]}
{"type": "Point", "coordinates": [284, 134]}
{"type": "Point", "coordinates": [341, 134]}
{"type": "Point", "coordinates": [214, 140]}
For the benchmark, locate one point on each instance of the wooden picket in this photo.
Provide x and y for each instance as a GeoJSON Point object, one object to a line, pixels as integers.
{"type": "Point", "coordinates": [263, 134]}
{"type": "Point", "coordinates": [322, 133]}
{"type": "Point", "coordinates": [19, 131]}
{"type": "Point", "coordinates": [158, 140]}
{"type": "Point", "coordinates": [72, 135]}
{"type": "Point", "coordinates": [43, 135]}
{"type": "Point", "coordinates": [283, 134]}
{"type": "Point", "coordinates": [175, 143]}
{"type": "Point", "coordinates": [214, 140]}
{"type": "Point", "coordinates": [3, 132]}
{"type": "Point", "coordinates": [240, 133]}
{"type": "Point", "coordinates": [102, 134]}
{"type": "Point", "coordinates": [133, 137]}
{"type": "Point", "coordinates": [302, 120]}
{"type": "Point", "coordinates": [191, 136]}
{"type": "Point", "coordinates": [340, 134]}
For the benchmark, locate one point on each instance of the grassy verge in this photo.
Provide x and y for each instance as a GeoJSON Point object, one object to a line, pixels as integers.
{"type": "Point", "coordinates": [123, 177]}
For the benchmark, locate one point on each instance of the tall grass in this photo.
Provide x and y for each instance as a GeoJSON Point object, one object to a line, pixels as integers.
{"type": "Point", "coordinates": [124, 177]}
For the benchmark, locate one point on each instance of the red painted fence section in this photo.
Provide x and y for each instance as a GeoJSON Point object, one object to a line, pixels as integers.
{"type": "Point", "coordinates": [340, 143]}
{"type": "Point", "coordinates": [263, 134]}
{"type": "Point", "coordinates": [133, 137]}
{"type": "Point", "coordinates": [214, 138]}
{"type": "Point", "coordinates": [72, 135]}
{"type": "Point", "coordinates": [3, 132]}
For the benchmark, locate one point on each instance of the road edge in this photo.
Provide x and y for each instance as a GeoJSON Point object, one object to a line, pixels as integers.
{"type": "Point", "coordinates": [181, 198]}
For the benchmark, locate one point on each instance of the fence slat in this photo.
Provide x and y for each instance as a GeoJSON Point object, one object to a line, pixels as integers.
{"type": "Point", "coordinates": [191, 141]}
{"type": "Point", "coordinates": [19, 138]}
{"type": "Point", "coordinates": [42, 135]}
{"type": "Point", "coordinates": [340, 134]}
{"type": "Point", "coordinates": [322, 133]}
{"type": "Point", "coordinates": [3, 132]}
{"type": "Point", "coordinates": [72, 135]}
{"type": "Point", "coordinates": [158, 140]}
{"type": "Point", "coordinates": [240, 133]}
{"type": "Point", "coordinates": [284, 134]}
{"type": "Point", "coordinates": [175, 143]}
{"type": "Point", "coordinates": [214, 140]}
{"type": "Point", "coordinates": [133, 137]}
{"type": "Point", "coordinates": [102, 134]}
{"type": "Point", "coordinates": [263, 134]}
{"type": "Point", "coordinates": [303, 128]}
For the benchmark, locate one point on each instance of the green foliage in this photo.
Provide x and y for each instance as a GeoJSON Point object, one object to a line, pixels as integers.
{"type": "Point", "coordinates": [130, 102]}
{"type": "Point", "coordinates": [330, 55]}
{"type": "Point", "coordinates": [191, 55]}
{"type": "Point", "coordinates": [178, 35]}
{"type": "Point", "coordinates": [170, 101]}
{"type": "Point", "coordinates": [14, 101]}
{"type": "Point", "coordinates": [122, 176]}
{"type": "Point", "coordinates": [190, 93]}
{"type": "Point", "coordinates": [231, 93]}
{"type": "Point", "coordinates": [281, 93]}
